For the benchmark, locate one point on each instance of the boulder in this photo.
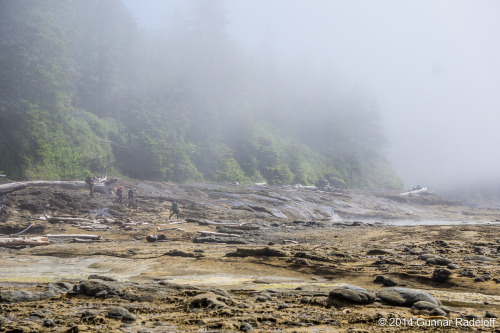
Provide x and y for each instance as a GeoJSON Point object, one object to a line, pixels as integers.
{"type": "Point", "coordinates": [478, 258]}
{"type": "Point", "coordinates": [208, 301]}
{"type": "Point", "coordinates": [351, 294]}
{"type": "Point", "coordinates": [405, 296]}
{"type": "Point", "coordinates": [17, 296]}
{"type": "Point", "coordinates": [95, 288]}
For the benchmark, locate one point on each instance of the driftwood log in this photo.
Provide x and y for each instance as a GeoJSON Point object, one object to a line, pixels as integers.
{"type": "Point", "coordinates": [217, 234]}
{"type": "Point", "coordinates": [34, 241]}
{"type": "Point", "coordinates": [68, 184]}
{"type": "Point", "coordinates": [242, 226]}
{"type": "Point", "coordinates": [68, 219]}
{"type": "Point", "coordinates": [95, 237]}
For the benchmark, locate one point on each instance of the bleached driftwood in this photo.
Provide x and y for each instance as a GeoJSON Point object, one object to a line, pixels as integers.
{"type": "Point", "coordinates": [68, 184]}
{"type": "Point", "coordinates": [96, 237]}
{"type": "Point", "coordinates": [419, 191]}
{"type": "Point", "coordinates": [82, 240]}
{"type": "Point", "coordinates": [67, 219]}
{"type": "Point", "coordinates": [179, 222]}
{"type": "Point", "coordinates": [94, 227]}
{"type": "Point", "coordinates": [218, 234]}
{"type": "Point", "coordinates": [34, 241]}
{"type": "Point", "coordinates": [170, 228]}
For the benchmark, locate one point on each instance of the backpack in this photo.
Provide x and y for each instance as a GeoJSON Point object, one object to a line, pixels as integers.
{"type": "Point", "coordinates": [88, 180]}
{"type": "Point", "coordinates": [131, 193]}
{"type": "Point", "coordinates": [174, 206]}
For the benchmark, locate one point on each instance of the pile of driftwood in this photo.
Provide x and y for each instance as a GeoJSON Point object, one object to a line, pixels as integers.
{"type": "Point", "coordinates": [17, 240]}
{"type": "Point", "coordinates": [203, 233]}
{"type": "Point", "coordinates": [83, 223]}
{"type": "Point", "coordinates": [231, 234]}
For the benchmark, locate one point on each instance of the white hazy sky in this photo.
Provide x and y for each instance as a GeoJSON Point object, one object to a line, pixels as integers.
{"type": "Point", "coordinates": [432, 65]}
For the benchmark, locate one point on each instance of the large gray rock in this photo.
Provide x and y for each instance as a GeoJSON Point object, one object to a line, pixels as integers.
{"type": "Point", "coordinates": [95, 288]}
{"type": "Point", "coordinates": [17, 296]}
{"type": "Point", "coordinates": [432, 259]}
{"type": "Point", "coordinates": [209, 301]}
{"type": "Point", "coordinates": [405, 296]}
{"type": "Point", "coordinates": [478, 258]}
{"type": "Point", "coordinates": [351, 294]}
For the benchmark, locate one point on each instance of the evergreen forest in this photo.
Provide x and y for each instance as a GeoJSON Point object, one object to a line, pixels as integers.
{"type": "Point", "coordinates": [84, 90]}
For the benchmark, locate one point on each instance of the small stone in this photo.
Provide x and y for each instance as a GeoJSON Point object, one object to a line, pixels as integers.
{"type": "Point", "coordinates": [261, 299]}
{"type": "Point", "coordinates": [117, 313]}
{"type": "Point", "coordinates": [467, 273]}
{"type": "Point", "coordinates": [482, 278]}
{"type": "Point", "coordinates": [246, 327]}
{"type": "Point", "coordinates": [283, 306]}
{"type": "Point", "coordinates": [441, 275]}
{"type": "Point", "coordinates": [385, 280]}
{"type": "Point", "coordinates": [490, 314]}
{"type": "Point", "coordinates": [438, 312]}
{"type": "Point", "coordinates": [305, 300]}
{"type": "Point", "coordinates": [453, 266]}
{"type": "Point", "coordinates": [129, 317]}
{"type": "Point", "coordinates": [49, 323]}
{"type": "Point", "coordinates": [424, 305]}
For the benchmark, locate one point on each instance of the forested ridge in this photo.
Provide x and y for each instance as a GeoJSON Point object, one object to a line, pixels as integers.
{"type": "Point", "coordinates": [84, 90]}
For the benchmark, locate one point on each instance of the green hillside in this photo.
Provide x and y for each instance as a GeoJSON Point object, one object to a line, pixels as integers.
{"type": "Point", "coordinates": [84, 90]}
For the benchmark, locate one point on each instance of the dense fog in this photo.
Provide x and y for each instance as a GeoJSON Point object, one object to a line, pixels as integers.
{"type": "Point", "coordinates": [431, 67]}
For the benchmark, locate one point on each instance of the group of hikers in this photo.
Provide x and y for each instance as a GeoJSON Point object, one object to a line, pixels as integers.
{"type": "Point", "coordinates": [132, 197]}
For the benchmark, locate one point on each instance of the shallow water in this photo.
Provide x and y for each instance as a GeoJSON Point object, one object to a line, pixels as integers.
{"type": "Point", "coordinates": [405, 223]}
{"type": "Point", "coordinates": [32, 269]}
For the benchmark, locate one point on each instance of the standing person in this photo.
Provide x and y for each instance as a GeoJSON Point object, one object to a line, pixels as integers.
{"type": "Point", "coordinates": [174, 209]}
{"type": "Point", "coordinates": [119, 193]}
{"type": "Point", "coordinates": [90, 182]}
{"type": "Point", "coordinates": [131, 197]}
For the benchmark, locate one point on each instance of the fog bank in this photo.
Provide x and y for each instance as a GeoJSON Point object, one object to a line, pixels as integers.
{"type": "Point", "coordinates": [431, 66]}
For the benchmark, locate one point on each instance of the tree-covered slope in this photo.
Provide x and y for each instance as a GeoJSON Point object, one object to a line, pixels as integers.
{"type": "Point", "coordinates": [82, 90]}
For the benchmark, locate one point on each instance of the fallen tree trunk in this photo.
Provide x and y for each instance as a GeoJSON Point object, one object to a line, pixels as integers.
{"type": "Point", "coordinates": [68, 219]}
{"type": "Point", "coordinates": [97, 237]}
{"type": "Point", "coordinates": [68, 184]}
{"type": "Point", "coordinates": [163, 229]}
{"type": "Point", "coordinates": [34, 241]}
{"type": "Point", "coordinates": [213, 233]}
{"type": "Point", "coordinates": [242, 226]}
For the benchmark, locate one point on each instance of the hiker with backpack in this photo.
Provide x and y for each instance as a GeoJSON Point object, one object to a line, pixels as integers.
{"type": "Point", "coordinates": [132, 199]}
{"type": "Point", "coordinates": [174, 209]}
{"type": "Point", "coordinates": [119, 193]}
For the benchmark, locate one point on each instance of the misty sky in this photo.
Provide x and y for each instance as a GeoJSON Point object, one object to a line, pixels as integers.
{"type": "Point", "coordinates": [432, 65]}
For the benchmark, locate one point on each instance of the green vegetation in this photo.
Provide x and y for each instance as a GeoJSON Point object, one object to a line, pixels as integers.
{"type": "Point", "coordinates": [83, 90]}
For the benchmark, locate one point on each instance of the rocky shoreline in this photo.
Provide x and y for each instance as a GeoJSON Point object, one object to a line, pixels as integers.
{"type": "Point", "coordinates": [248, 258]}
